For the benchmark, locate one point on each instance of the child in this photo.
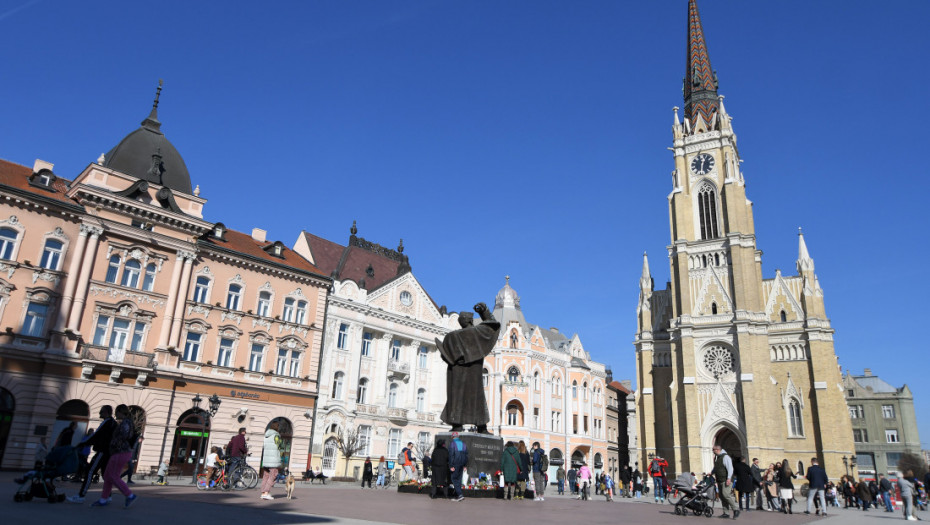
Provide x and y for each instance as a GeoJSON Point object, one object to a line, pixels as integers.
{"type": "Point", "coordinates": [162, 472]}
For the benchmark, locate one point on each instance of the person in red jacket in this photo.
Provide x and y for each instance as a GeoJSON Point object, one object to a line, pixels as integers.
{"type": "Point", "coordinates": [657, 470]}
{"type": "Point", "coordinates": [237, 450]}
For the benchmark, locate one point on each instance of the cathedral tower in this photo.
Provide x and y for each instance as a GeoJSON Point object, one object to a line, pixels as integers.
{"type": "Point", "coordinates": [723, 355]}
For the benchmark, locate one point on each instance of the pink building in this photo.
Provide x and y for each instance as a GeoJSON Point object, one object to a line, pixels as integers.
{"type": "Point", "coordinates": [115, 290]}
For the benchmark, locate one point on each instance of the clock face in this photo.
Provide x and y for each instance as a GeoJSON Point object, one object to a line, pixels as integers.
{"type": "Point", "coordinates": [702, 164]}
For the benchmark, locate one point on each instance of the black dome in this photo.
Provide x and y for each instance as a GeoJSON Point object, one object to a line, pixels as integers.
{"type": "Point", "coordinates": [146, 154]}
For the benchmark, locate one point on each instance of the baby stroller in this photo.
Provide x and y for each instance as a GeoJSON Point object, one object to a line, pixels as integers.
{"type": "Point", "coordinates": [696, 499]}
{"type": "Point", "coordinates": [39, 483]}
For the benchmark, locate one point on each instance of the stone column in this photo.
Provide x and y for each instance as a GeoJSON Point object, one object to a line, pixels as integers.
{"type": "Point", "coordinates": [181, 297]}
{"type": "Point", "coordinates": [80, 296]}
{"type": "Point", "coordinates": [72, 278]}
{"type": "Point", "coordinates": [169, 306]}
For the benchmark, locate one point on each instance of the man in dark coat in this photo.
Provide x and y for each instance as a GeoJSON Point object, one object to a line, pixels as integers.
{"type": "Point", "coordinates": [439, 464]}
{"type": "Point", "coordinates": [817, 479]}
{"type": "Point", "coordinates": [626, 477]}
{"type": "Point", "coordinates": [464, 351]}
{"type": "Point", "coordinates": [744, 485]}
{"type": "Point", "coordinates": [99, 441]}
{"type": "Point", "coordinates": [572, 476]}
{"type": "Point", "coordinates": [757, 482]}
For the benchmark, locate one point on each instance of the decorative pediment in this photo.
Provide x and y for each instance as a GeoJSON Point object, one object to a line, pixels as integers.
{"type": "Point", "coordinates": [781, 298]}
{"type": "Point", "coordinates": [292, 343]}
{"type": "Point", "coordinates": [712, 290]}
{"type": "Point", "coordinates": [791, 392]}
{"type": "Point", "coordinates": [260, 337]}
{"type": "Point", "coordinates": [721, 409]}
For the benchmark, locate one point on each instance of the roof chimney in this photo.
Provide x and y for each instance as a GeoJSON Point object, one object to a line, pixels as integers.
{"type": "Point", "coordinates": [42, 165]}
{"type": "Point", "coordinates": [868, 372]}
{"type": "Point", "coordinates": [553, 329]}
{"type": "Point", "coordinates": [258, 234]}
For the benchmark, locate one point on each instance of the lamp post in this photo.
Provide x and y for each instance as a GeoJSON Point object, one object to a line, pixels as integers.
{"type": "Point", "coordinates": [846, 464]}
{"type": "Point", "coordinates": [204, 415]}
{"type": "Point", "coordinates": [852, 465]}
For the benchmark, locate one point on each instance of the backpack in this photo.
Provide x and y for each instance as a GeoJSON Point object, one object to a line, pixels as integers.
{"type": "Point", "coordinates": [544, 463]}
{"type": "Point", "coordinates": [654, 468]}
{"type": "Point", "coordinates": [402, 457]}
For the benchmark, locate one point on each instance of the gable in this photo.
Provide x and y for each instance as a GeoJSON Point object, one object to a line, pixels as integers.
{"type": "Point", "coordinates": [405, 296]}
{"type": "Point", "coordinates": [781, 298]}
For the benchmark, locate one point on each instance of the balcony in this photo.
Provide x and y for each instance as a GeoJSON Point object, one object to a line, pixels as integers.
{"type": "Point", "coordinates": [366, 409]}
{"type": "Point", "coordinates": [128, 358]}
{"type": "Point", "coordinates": [398, 415]}
{"type": "Point", "coordinates": [398, 369]}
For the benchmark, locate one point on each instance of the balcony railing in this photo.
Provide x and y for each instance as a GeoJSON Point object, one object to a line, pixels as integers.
{"type": "Point", "coordinates": [397, 413]}
{"type": "Point", "coordinates": [398, 368]}
{"type": "Point", "coordinates": [103, 354]}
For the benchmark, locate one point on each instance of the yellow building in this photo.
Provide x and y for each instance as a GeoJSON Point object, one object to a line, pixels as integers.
{"type": "Point", "coordinates": [723, 355]}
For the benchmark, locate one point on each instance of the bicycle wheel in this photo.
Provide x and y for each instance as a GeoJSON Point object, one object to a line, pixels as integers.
{"type": "Point", "coordinates": [249, 477]}
{"type": "Point", "coordinates": [236, 481]}
{"type": "Point", "coordinates": [673, 496]}
{"type": "Point", "coordinates": [201, 482]}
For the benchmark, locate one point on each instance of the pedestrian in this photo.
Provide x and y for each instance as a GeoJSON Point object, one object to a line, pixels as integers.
{"type": "Point", "coordinates": [458, 458]}
{"type": "Point", "coordinates": [637, 482]}
{"type": "Point", "coordinates": [572, 481]}
{"type": "Point", "coordinates": [120, 453]}
{"type": "Point", "coordinates": [560, 479]}
{"type": "Point", "coordinates": [83, 455]}
{"type": "Point", "coordinates": [657, 471]}
{"type": "Point", "coordinates": [540, 471]}
{"type": "Point", "coordinates": [510, 466]}
{"type": "Point", "coordinates": [237, 450]}
{"type": "Point", "coordinates": [771, 488]}
{"type": "Point", "coordinates": [41, 453]}
{"type": "Point", "coordinates": [212, 462]}
{"type": "Point", "coordinates": [367, 472]}
{"type": "Point", "coordinates": [626, 478]}
{"type": "Point", "coordinates": [585, 479]}
{"type": "Point", "coordinates": [162, 472]}
{"type": "Point", "coordinates": [608, 487]}
{"type": "Point", "coordinates": [756, 471]}
{"type": "Point", "coordinates": [134, 460]}
{"type": "Point", "coordinates": [786, 487]}
{"type": "Point", "coordinates": [99, 442]}
{"type": "Point", "coordinates": [439, 465]}
{"type": "Point", "coordinates": [743, 483]}
{"type": "Point", "coordinates": [524, 475]}
{"type": "Point", "coordinates": [817, 485]}
{"type": "Point", "coordinates": [271, 459]}
{"type": "Point", "coordinates": [908, 490]}
{"type": "Point", "coordinates": [409, 461]}
{"type": "Point", "coordinates": [864, 494]}
{"type": "Point", "coordinates": [382, 472]}
{"type": "Point", "coordinates": [884, 485]}
{"type": "Point", "coordinates": [66, 436]}
{"type": "Point", "coordinates": [723, 473]}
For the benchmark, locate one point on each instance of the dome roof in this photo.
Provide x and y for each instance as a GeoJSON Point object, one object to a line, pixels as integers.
{"type": "Point", "coordinates": [507, 297]}
{"type": "Point", "coordinates": [146, 154]}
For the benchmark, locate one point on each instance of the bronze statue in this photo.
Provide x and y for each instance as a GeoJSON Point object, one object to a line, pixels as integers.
{"type": "Point", "coordinates": [464, 351]}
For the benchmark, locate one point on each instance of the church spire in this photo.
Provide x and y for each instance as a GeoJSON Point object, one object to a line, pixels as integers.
{"type": "Point", "coordinates": [645, 281]}
{"type": "Point", "coordinates": [804, 257]}
{"type": "Point", "coordinates": [700, 84]}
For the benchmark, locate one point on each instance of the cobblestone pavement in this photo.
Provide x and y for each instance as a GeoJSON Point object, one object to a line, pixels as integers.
{"type": "Point", "coordinates": [351, 505]}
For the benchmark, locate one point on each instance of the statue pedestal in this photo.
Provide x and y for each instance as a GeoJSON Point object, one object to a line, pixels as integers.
{"type": "Point", "coordinates": [484, 451]}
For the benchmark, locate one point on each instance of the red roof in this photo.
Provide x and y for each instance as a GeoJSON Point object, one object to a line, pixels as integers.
{"type": "Point", "coordinates": [244, 243]}
{"type": "Point", "coordinates": [17, 176]}
{"type": "Point", "coordinates": [353, 261]}
{"type": "Point", "coordinates": [616, 385]}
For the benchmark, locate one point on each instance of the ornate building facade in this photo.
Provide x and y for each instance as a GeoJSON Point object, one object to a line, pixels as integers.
{"type": "Point", "coordinates": [115, 290]}
{"type": "Point", "coordinates": [723, 355]}
{"type": "Point", "coordinates": [543, 386]}
{"type": "Point", "coordinates": [381, 372]}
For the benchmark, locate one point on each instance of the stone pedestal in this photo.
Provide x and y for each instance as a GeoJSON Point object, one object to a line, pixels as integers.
{"type": "Point", "coordinates": [484, 451]}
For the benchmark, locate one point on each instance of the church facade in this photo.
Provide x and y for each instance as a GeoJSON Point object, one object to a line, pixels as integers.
{"type": "Point", "coordinates": [724, 355]}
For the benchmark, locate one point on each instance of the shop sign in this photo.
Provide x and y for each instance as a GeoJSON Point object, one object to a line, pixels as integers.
{"type": "Point", "coordinates": [244, 394]}
{"type": "Point", "coordinates": [192, 433]}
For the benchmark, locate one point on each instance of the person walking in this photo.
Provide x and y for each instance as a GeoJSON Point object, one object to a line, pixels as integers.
{"type": "Point", "coordinates": [886, 489]}
{"type": "Point", "coordinates": [584, 482]}
{"type": "Point", "coordinates": [83, 456]}
{"type": "Point", "coordinates": [756, 471]}
{"type": "Point", "coordinates": [439, 465]}
{"type": "Point", "coordinates": [237, 450]}
{"type": "Point", "coordinates": [510, 467]}
{"type": "Point", "coordinates": [367, 472]}
{"type": "Point", "coordinates": [271, 459]}
{"type": "Point", "coordinates": [657, 471]}
{"type": "Point", "coordinates": [409, 462]}
{"type": "Point", "coordinates": [908, 490]}
{"type": "Point", "coordinates": [66, 436]}
{"type": "Point", "coordinates": [524, 475]}
{"type": "Point", "coordinates": [723, 473]}
{"type": "Point", "coordinates": [786, 487]}
{"type": "Point", "coordinates": [626, 477]}
{"type": "Point", "coordinates": [540, 472]}
{"type": "Point", "coordinates": [560, 479]}
{"type": "Point", "coordinates": [771, 487]}
{"type": "Point", "coordinates": [637, 482]}
{"type": "Point", "coordinates": [743, 483]}
{"type": "Point", "coordinates": [382, 472]}
{"type": "Point", "coordinates": [99, 442]}
{"type": "Point", "coordinates": [120, 453]}
{"type": "Point", "coordinates": [864, 494]}
{"type": "Point", "coordinates": [458, 458]}
{"type": "Point", "coordinates": [609, 487]}
{"type": "Point", "coordinates": [817, 485]}
{"type": "Point", "coordinates": [572, 481]}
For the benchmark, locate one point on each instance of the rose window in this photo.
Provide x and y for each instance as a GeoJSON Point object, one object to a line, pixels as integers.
{"type": "Point", "coordinates": [718, 361]}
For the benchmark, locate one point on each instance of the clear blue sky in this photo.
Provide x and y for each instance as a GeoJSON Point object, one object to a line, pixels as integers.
{"type": "Point", "coordinates": [521, 138]}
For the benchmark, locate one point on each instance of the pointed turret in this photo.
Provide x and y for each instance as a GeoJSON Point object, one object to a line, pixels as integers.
{"type": "Point", "coordinates": [805, 263]}
{"type": "Point", "coordinates": [700, 84]}
{"type": "Point", "coordinates": [644, 309]}
{"type": "Point", "coordinates": [645, 280]}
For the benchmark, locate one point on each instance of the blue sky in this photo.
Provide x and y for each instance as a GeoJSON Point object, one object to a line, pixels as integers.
{"type": "Point", "coordinates": [521, 138]}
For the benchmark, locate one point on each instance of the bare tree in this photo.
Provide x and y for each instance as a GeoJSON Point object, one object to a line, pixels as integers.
{"type": "Point", "coordinates": [349, 441]}
{"type": "Point", "coordinates": [912, 462]}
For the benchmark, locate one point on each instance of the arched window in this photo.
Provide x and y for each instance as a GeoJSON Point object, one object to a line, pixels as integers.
{"type": "Point", "coordinates": [8, 238]}
{"type": "Point", "coordinates": [131, 271]}
{"type": "Point", "coordinates": [264, 304]}
{"type": "Point", "coordinates": [584, 390]}
{"type": "Point", "coordinates": [795, 424]}
{"type": "Point", "coordinates": [337, 385]}
{"type": "Point", "coordinates": [201, 289]}
{"type": "Point", "coordinates": [574, 389]}
{"type": "Point", "coordinates": [513, 339]}
{"type": "Point", "coordinates": [783, 317]}
{"type": "Point", "coordinates": [716, 259]}
{"type": "Point", "coordinates": [713, 308]}
{"type": "Point", "coordinates": [513, 374]}
{"type": "Point", "coordinates": [233, 297]}
{"type": "Point", "coordinates": [362, 396]}
{"type": "Point", "coordinates": [148, 282]}
{"type": "Point", "coordinates": [329, 455]}
{"type": "Point", "coordinates": [484, 377]}
{"type": "Point", "coordinates": [421, 400]}
{"type": "Point", "coordinates": [536, 381]}
{"type": "Point", "coordinates": [707, 211]}
{"type": "Point", "coordinates": [392, 396]}
{"type": "Point", "coordinates": [113, 269]}
{"type": "Point", "coordinates": [51, 254]}
{"type": "Point", "coordinates": [513, 411]}
{"type": "Point", "coordinates": [288, 314]}
{"type": "Point", "coordinates": [557, 385]}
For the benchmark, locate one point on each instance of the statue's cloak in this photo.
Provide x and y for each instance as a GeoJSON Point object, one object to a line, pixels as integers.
{"type": "Point", "coordinates": [464, 351]}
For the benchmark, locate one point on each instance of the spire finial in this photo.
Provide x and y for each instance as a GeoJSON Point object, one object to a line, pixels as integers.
{"type": "Point", "coordinates": [353, 230]}
{"type": "Point", "coordinates": [507, 278]}
{"type": "Point", "coordinates": [700, 86]}
{"type": "Point", "coordinates": [675, 109]}
{"type": "Point", "coordinates": [151, 122]}
{"type": "Point", "coordinates": [805, 262]}
{"type": "Point", "coordinates": [400, 247]}
{"type": "Point", "coordinates": [158, 93]}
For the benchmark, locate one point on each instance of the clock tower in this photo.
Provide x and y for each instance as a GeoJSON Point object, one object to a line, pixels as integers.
{"type": "Point", "coordinates": [723, 355]}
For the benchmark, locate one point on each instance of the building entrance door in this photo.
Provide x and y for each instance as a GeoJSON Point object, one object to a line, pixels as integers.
{"type": "Point", "coordinates": [730, 442]}
{"type": "Point", "coordinates": [189, 436]}
{"type": "Point", "coordinates": [7, 404]}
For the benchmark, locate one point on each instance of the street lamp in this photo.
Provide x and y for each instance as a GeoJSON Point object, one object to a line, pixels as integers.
{"type": "Point", "coordinates": [204, 415]}
{"type": "Point", "coordinates": [852, 464]}
{"type": "Point", "coordinates": [846, 464]}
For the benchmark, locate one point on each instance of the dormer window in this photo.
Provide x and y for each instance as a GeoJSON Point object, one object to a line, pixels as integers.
{"type": "Point", "coordinates": [276, 249]}
{"type": "Point", "coordinates": [42, 178]}
{"type": "Point", "coordinates": [219, 231]}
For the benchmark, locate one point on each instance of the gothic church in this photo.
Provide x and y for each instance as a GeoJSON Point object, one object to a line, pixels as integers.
{"type": "Point", "coordinates": [723, 355]}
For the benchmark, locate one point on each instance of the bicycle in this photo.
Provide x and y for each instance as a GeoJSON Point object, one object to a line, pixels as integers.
{"type": "Point", "coordinates": [241, 475]}
{"type": "Point", "coordinates": [221, 481]}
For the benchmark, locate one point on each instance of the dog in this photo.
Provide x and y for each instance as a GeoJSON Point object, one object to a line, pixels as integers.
{"type": "Point", "coordinates": [289, 484]}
